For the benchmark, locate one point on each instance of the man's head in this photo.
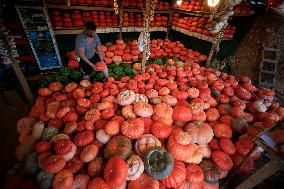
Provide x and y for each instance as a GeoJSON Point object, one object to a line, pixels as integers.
{"type": "Point", "coordinates": [90, 29]}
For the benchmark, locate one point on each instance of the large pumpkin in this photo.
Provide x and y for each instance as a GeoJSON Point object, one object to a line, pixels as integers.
{"type": "Point", "coordinates": [118, 146]}
{"type": "Point", "coordinates": [135, 167]}
{"type": "Point", "coordinates": [210, 170]}
{"type": "Point", "coordinates": [158, 163]}
{"type": "Point", "coordinates": [132, 128]}
{"type": "Point", "coordinates": [115, 171]}
{"type": "Point", "coordinates": [177, 176]}
{"type": "Point", "coordinates": [145, 143]}
{"type": "Point", "coordinates": [200, 132]}
{"type": "Point", "coordinates": [180, 146]}
{"type": "Point", "coordinates": [181, 113]}
{"type": "Point", "coordinates": [144, 181]}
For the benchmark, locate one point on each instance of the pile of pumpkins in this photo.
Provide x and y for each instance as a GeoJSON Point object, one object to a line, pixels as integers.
{"type": "Point", "coordinates": [193, 5]}
{"type": "Point", "coordinates": [92, 2]}
{"type": "Point", "coordinates": [174, 126]}
{"type": "Point", "coordinates": [136, 20]}
{"type": "Point", "coordinates": [200, 25]}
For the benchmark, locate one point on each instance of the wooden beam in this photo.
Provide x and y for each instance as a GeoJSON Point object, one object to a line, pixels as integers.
{"type": "Point", "coordinates": [23, 81]}
{"type": "Point", "coordinates": [266, 171]}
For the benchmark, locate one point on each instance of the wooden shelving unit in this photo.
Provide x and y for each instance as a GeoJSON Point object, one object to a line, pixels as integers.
{"type": "Point", "coordinates": [192, 13]}
{"type": "Point", "coordinates": [72, 31]}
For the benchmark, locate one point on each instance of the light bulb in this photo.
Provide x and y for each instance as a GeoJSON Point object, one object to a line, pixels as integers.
{"type": "Point", "coordinates": [212, 3]}
{"type": "Point", "coordinates": [179, 2]}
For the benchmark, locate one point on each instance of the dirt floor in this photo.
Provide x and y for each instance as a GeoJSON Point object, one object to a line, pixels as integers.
{"type": "Point", "coordinates": [9, 114]}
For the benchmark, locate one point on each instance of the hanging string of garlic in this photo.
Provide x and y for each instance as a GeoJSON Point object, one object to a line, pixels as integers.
{"type": "Point", "coordinates": [148, 15]}
{"type": "Point", "coordinates": [115, 6]}
{"type": "Point", "coordinates": [221, 16]}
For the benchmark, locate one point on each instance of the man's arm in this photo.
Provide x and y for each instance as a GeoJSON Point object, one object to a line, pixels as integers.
{"type": "Point", "coordinates": [99, 49]}
{"type": "Point", "coordinates": [81, 53]}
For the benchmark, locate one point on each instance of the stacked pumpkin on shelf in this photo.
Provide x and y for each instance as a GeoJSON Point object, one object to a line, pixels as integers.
{"type": "Point", "coordinates": [132, 20]}
{"type": "Point", "coordinates": [77, 18]}
{"type": "Point", "coordinates": [162, 5]}
{"type": "Point", "coordinates": [132, 3]}
{"type": "Point", "coordinates": [243, 8]}
{"type": "Point", "coordinates": [199, 25]}
{"type": "Point", "coordinates": [193, 5]}
{"type": "Point", "coordinates": [92, 2]}
{"type": "Point", "coordinates": [159, 21]}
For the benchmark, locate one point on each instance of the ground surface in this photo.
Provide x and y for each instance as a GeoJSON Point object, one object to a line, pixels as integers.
{"type": "Point", "coordinates": [9, 114]}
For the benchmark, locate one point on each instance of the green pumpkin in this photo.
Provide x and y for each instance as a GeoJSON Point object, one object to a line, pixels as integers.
{"type": "Point", "coordinates": [158, 163]}
{"type": "Point", "coordinates": [118, 146]}
{"type": "Point", "coordinates": [239, 125]}
{"type": "Point", "coordinates": [44, 179]}
{"type": "Point", "coordinates": [49, 132]}
{"type": "Point", "coordinates": [211, 171]}
{"type": "Point", "coordinates": [214, 92]}
{"type": "Point", "coordinates": [31, 164]}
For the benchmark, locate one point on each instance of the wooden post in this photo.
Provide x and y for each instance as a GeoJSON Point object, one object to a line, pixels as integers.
{"type": "Point", "coordinates": [212, 50]}
{"type": "Point", "coordinates": [146, 31]}
{"type": "Point", "coordinates": [169, 27]}
{"type": "Point", "coordinates": [266, 171]}
{"type": "Point", "coordinates": [23, 81]}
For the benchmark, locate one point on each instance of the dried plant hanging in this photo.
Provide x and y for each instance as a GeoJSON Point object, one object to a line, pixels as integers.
{"type": "Point", "coordinates": [116, 6]}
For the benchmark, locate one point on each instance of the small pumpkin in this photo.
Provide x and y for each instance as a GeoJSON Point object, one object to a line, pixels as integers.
{"type": "Point", "coordinates": [112, 128]}
{"type": "Point", "coordinates": [44, 179]}
{"type": "Point", "coordinates": [135, 167]}
{"type": "Point", "coordinates": [227, 146]}
{"type": "Point", "coordinates": [145, 143]}
{"type": "Point", "coordinates": [158, 163]}
{"type": "Point", "coordinates": [31, 165]}
{"type": "Point", "coordinates": [143, 109]}
{"type": "Point", "coordinates": [160, 130]}
{"type": "Point", "coordinates": [144, 181]}
{"type": "Point", "coordinates": [222, 130]}
{"type": "Point", "coordinates": [62, 147]}
{"type": "Point", "coordinates": [102, 136]}
{"type": "Point", "coordinates": [84, 138]}
{"type": "Point", "coordinates": [177, 175]}
{"type": "Point", "coordinates": [128, 112]}
{"type": "Point", "coordinates": [170, 100]}
{"type": "Point", "coordinates": [118, 146]}
{"type": "Point", "coordinates": [49, 132]}
{"type": "Point", "coordinates": [140, 98]}
{"type": "Point", "coordinates": [37, 131]}
{"type": "Point", "coordinates": [132, 128]}
{"type": "Point", "coordinates": [63, 179]}
{"type": "Point", "coordinates": [53, 163]}
{"type": "Point", "coordinates": [222, 160]}
{"type": "Point", "coordinates": [100, 66]}
{"type": "Point", "coordinates": [152, 93]}
{"type": "Point", "coordinates": [71, 153]}
{"type": "Point", "coordinates": [126, 97]}
{"type": "Point", "coordinates": [80, 181]}
{"type": "Point", "coordinates": [115, 171]}
{"type": "Point", "coordinates": [194, 173]}
{"type": "Point", "coordinates": [75, 165]}
{"type": "Point", "coordinates": [181, 150]}
{"type": "Point", "coordinates": [95, 167]}
{"type": "Point", "coordinates": [181, 113]}
{"type": "Point", "coordinates": [200, 133]}
{"type": "Point", "coordinates": [89, 153]}
{"type": "Point", "coordinates": [98, 183]}
{"type": "Point", "coordinates": [205, 150]}
{"type": "Point", "coordinates": [211, 171]}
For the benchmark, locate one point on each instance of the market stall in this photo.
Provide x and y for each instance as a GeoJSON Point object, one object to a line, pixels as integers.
{"type": "Point", "coordinates": [162, 119]}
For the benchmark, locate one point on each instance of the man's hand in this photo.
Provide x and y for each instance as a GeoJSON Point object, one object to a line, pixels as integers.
{"type": "Point", "coordinates": [93, 66]}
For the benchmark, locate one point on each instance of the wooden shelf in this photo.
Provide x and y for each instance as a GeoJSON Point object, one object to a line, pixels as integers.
{"type": "Point", "coordinates": [193, 13]}
{"type": "Point", "coordinates": [70, 31]}
{"type": "Point", "coordinates": [98, 8]}
{"type": "Point", "coordinates": [71, 7]}
{"type": "Point", "coordinates": [194, 34]}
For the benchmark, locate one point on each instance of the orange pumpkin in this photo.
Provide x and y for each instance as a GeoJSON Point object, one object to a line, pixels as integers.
{"type": "Point", "coordinates": [117, 59]}
{"type": "Point", "coordinates": [145, 143]}
{"type": "Point", "coordinates": [132, 128]}
{"type": "Point", "coordinates": [115, 171]}
{"type": "Point", "coordinates": [144, 181]}
{"type": "Point", "coordinates": [98, 183]}
{"type": "Point", "coordinates": [194, 173]}
{"type": "Point", "coordinates": [89, 153]}
{"type": "Point", "coordinates": [137, 66]}
{"type": "Point", "coordinates": [160, 130]}
{"type": "Point", "coordinates": [181, 113]}
{"type": "Point", "coordinates": [100, 66]}
{"type": "Point", "coordinates": [112, 128]}
{"type": "Point", "coordinates": [200, 133]}
{"type": "Point", "coordinates": [128, 112]}
{"type": "Point", "coordinates": [177, 176]}
{"type": "Point", "coordinates": [143, 109]}
{"type": "Point", "coordinates": [180, 150]}
{"type": "Point", "coordinates": [53, 163]}
{"type": "Point", "coordinates": [63, 179]}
